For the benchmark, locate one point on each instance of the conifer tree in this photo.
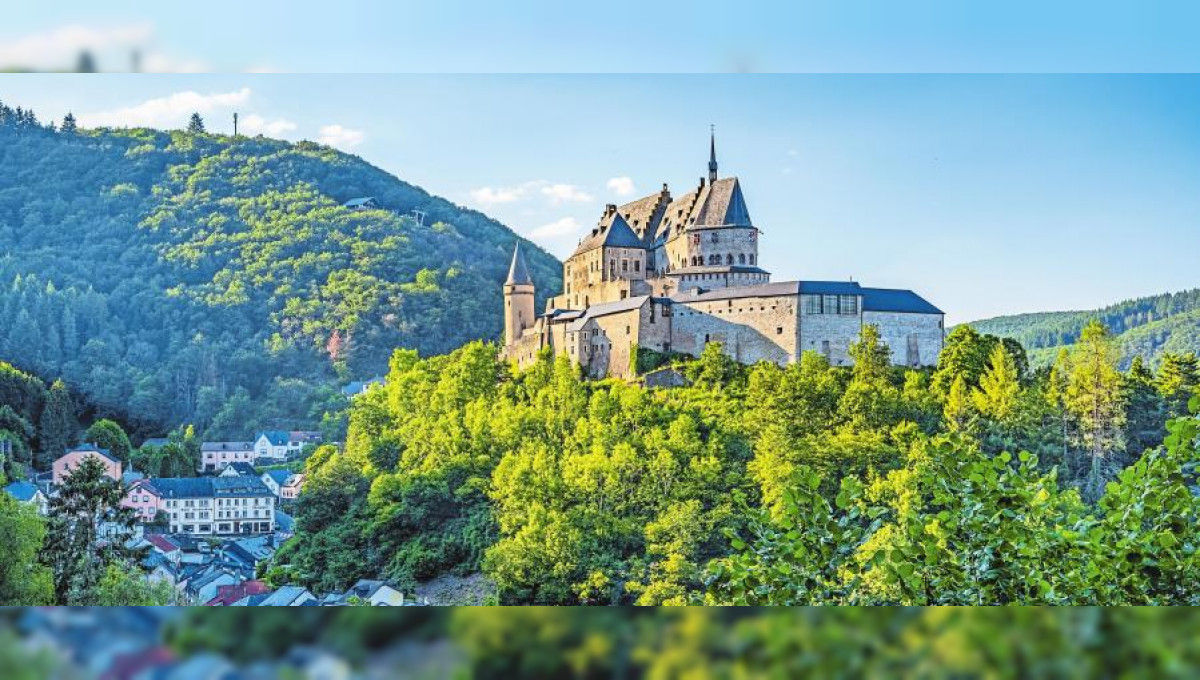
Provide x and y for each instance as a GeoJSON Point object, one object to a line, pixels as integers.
{"type": "Point", "coordinates": [957, 412]}
{"type": "Point", "coordinates": [196, 124]}
{"type": "Point", "coordinates": [1094, 399]}
{"type": "Point", "coordinates": [58, 425]}
{"type": "Point", "coordinates": [69, 126]}
{"type": "Point", "coordinates": [1178, 380]}
{"type": "Point", "coordinates": [996, 396]}
{"type": "Point", "coordinates": [1145, 412]}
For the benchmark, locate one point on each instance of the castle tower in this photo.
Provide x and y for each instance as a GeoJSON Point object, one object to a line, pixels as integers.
{"type": "Point", "coordinates": [518, 298]}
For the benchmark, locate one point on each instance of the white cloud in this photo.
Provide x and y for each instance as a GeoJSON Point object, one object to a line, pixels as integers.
{"type": "Point", "coordinates": [563, 227]}
{"type": "Point", "coordinates": [340, 137]}
{"type": "Point", "coordinates": [60, 48]}
{"type": "Point", "coordinates": [497, 195]}
{"type": "Point", "coordinates": [621, 186]}
{"type": "Point", "coordinates": [171, 111]}
{"type": "Point", "coordinates": [255, 124]}
{"type": "Point", "coordinates": [559, 193]}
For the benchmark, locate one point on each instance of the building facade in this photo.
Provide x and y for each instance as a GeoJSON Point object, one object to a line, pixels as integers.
{"type": "Point", "coordinates": [65, 464]}
{"type": "Point", "coordinates": [216, 505]}
{"type": "Point", "coordinates": [675, 274]}
{"type": "Point", "coordinates": [217, 455]}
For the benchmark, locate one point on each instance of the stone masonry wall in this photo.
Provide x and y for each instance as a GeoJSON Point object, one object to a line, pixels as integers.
{"type": "Point", "coordinates": [922, 333]}
{"type": "Point", "coordinates": [751, 329]}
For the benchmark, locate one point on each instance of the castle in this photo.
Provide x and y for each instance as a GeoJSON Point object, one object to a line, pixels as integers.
{"type": "Point", "coordinates": [674, 274]}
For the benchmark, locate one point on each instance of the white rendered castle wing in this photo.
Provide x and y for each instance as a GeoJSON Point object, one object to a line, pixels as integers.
{"type": "Point", "coordinates": [674, 274]}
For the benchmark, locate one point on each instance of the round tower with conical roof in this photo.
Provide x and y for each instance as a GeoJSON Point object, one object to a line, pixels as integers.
{"type": "Point", "coordinates": [518, 298]}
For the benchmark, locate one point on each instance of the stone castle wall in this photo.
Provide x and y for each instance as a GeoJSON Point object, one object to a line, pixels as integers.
{"type": "Point", "coordinates": [750, 329]}
{"type": "Point", "coordinates": [915, 339]}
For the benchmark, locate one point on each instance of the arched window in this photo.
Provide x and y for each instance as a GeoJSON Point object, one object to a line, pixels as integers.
{"type": "Point", "coordinates": [742, 258]}
{"type": "Point", "coordinates": [751, 259]}
{"type": "Point", "coordinates": [729, 259]}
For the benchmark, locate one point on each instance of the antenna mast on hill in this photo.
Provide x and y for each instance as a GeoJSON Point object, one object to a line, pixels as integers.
{"type": "Point", "coordinates": [235, 123]}
{"type": "Point", "coordinates": [419, 216]}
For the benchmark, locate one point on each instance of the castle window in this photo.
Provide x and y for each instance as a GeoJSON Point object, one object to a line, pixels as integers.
{"type": "Point", "coordinates": [848, 305]}
{"type": "Point", "coordinates": [742, 259]}
{"type": "Point", "coordinates": [751, 259]}
{"type": "Point", "coordinates": [829, 304]}
{"type": "Point", "coordinates": [715, 237]}
{"type": "Point", "coordinates": [624, 265]}
{"type": "Point", "coordinates": [637, 265]}
{"type": "Point", "coordinates": [627, 331]}
{"type": "Point", "coordinates": [706, 337]}
{"type": "Point", "coordinates": [779, 330]}
{"type": "Point", "coordinates": [812, 304]}
{"type": "Point", "coordinates": [729, 259]}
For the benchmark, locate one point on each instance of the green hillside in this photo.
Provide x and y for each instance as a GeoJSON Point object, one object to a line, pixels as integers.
{"type": "Point", "coordinates": [196, 278]}
{"type": "Point", "coordinates": [1145, 327]}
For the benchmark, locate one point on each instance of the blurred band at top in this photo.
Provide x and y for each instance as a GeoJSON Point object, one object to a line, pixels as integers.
{"type": "Point", "coordinates": [700, 36]}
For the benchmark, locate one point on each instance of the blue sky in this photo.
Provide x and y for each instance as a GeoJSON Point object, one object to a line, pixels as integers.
{"type": "Point", "coordinates": [613, 36]}
{"type": "Point", "coordinates": [986, 194]}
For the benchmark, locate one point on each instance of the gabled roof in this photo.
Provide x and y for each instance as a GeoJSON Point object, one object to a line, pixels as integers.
{"type": "Point", "coordinates": [721, 204]}
{"type": "Point", "coordinates": [359, 202]}
{"type": "Point", "coordinates": [22, 491]}
{"type": "Point", "coordinates": [896, 300]}
{"type": "Point", "coordinates": [276, 437]}
{"type": "Point", "coordinates": [611, 232]}
{"type": "Point", "coordinates": [280, 477]}
{"type": "Point", "coordinates": [88, 447]}
{"type": "Point", "coordinates": [606, 308]}
{"type": "Point", "coordinates": [243, 469]}
{"type": "Point", "coordinates": [645, 214]}
{"type": "Point", "coordinates": [518, 272]}
{"type": "Point", "coordinates": [285, 596]}
{"type": "Point", "coordinates": [161, 542]}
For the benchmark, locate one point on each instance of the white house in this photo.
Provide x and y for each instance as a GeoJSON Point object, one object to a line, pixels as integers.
{"type": "Point", "coordinates": [26, 492]}
{"type": "Point", "coordinates": [216, 455]}
{"type": "Point", "coordinates": [217, 505]}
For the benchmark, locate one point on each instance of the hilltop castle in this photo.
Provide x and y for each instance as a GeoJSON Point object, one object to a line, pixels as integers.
{"type": "Point", "coordinates": [673, 274]}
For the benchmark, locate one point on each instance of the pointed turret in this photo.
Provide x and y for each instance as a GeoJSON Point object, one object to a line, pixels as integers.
{"type": "Point", "coordinates": [712, 156]}
{"type": "Point", "coordinates": [518, 273]}
{"type": "Point", "coordinates": [518, 299]}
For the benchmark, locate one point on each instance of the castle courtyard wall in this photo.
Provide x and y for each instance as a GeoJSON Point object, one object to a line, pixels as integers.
{"type": "Point", "coordinates": [751, 329]}
{"type": "Point", "coordinates": [923, 333]}
{"type": "Point", "coordinates": [839, 330]}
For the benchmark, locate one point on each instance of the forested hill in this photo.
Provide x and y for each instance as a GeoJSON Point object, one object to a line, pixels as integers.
{"type": "Point", "coordinates": [1145, 327]}
{"type": "Point", "coordinates": [206, 279]}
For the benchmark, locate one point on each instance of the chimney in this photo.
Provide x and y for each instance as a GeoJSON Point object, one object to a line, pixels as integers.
{"type": "Point", "coordinates": [610, 208]}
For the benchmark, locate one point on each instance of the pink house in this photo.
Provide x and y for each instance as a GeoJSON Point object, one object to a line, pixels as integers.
{"type": "Point", "coordinates": [291, 488]}
{"type": "Point", "coordinates": [67, 463]}
{"type": "Point", "coordinates": [144, 499]}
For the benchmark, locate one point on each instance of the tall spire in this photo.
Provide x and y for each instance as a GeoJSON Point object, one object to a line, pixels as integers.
{"type": "Point", "coordinates": [712, 154]}
{"type": "Point", "coordinates": [518, 273]}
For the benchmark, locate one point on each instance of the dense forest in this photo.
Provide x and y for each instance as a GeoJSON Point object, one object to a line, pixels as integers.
{"type": "Point", "coordinates": [979, 482]}
{"type": "Point", "coordinates": [184, 277]}
{"type": "Point", "coordinates": [1147, 327]}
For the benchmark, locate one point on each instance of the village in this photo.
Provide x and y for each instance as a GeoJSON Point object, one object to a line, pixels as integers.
{"type": "Point", "coordinates": [211, 536]}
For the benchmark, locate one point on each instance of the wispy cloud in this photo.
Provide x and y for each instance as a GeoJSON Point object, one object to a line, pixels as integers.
{"type": "Point", "coordinates": [340, 137]}
{"type": "Point", "coordinates": [255, 124]}
{"type": "Point", "coordinates": [554, 193]}
{"type": "Point", "coordinates": [560, 193]}
{"type": "Point", "coordinates": [566, 226]}
{"type": "Point", "coordinates": [171, 111]}
{"type": "Point", "coordinates": [621, 186]}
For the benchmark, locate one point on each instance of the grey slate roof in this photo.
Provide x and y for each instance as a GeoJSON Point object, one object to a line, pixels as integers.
{"type": "Point", "coordinates": [830, 288]}
{"type": "Point", "coordinates": [737, 292]}
{"type": "Point", "coordinates": [227, 446]}
{"type": "Point", "coordinates": [285, 596]}
{"type": "Point", "coordinates": [606, 308]}
{"type": "Point", "coordinates": [612, 232]}
{"type": "Point", "coordinates": [280, 476]}
{"type": "Point", "coordinates": [518, 272]}
{"type": "Point", "coordinates": [896, 300]}
{"type": "Point", "coordinates": [209, 487]}
{"type": "Point", "coordinates": [96, 449]}
{"type": "Point", "coordinates": [721, 204]}
{"type": "Point", "coordinates": [276, 437]}
{"type": "Point", "coordinates": [358, 202]}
